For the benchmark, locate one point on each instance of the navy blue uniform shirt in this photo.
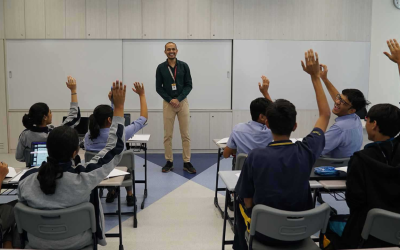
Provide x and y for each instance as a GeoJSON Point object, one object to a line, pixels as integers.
{"type": "Point", "coordinates": [278, 175]}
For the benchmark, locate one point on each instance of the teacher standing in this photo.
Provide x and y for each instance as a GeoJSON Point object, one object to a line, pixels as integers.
{"type": "Point", "coordinates": [173, 84]}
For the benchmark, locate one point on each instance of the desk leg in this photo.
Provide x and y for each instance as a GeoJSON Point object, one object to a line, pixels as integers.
{"type": "Point", "coordinates": [121, 247]}
{"type": "Point", "coordinates": [145, 174]}
{"type": "Point", "coordinates": [216, 180]}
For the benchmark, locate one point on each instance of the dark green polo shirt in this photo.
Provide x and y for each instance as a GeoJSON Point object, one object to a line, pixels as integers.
{"type": "Point", "coordinates": [164, 81]}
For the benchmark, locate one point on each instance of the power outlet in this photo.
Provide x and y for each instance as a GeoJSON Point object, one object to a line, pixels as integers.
{"type": "Point", "coordinates": [397, 3]}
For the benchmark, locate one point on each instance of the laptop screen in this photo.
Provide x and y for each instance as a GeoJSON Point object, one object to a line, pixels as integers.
{"type": "Point", "coordinates": [38, 153]}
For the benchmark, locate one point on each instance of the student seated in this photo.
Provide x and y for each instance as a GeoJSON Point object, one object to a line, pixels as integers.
{"type": "Point", "coordinates": [58, 184]}
{"type": "Point", "coordinates": [253, 134]}
{"type": "Point", "coordinates": [7, 219]}
{"type": "Point", "coordinates": [374, 172]}
{"type": "Point", "coordinates": [37, 123]}
{"type": "Point", "coordinates": [345, 136]}
{"type": "Point", "coordinates": [278, 175]}
{"type": "Point", "coordinates": [99, 127]}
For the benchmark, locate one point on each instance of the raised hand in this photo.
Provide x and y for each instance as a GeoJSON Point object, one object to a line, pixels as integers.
{"type": "Point", "coordinates": [265, 85]}
{"type": "Point", "coordinates": [323, 69]}
{"type": "Point", "coordinates": [139, 88]}
{"type": "Point", "coordinates": [311, 66]}
{"type": "Point", "coordinates": [118, 94]}
{"type": "Point", "coordinates": [394, 51]}
{"type": "Point", "coordinates": [71, 83]}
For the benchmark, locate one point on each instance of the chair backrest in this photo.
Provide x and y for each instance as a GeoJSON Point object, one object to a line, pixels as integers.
{"type": "Point", "coordinates": [128, 158]}
{"type": "Point", "coordinates": [55, 224]}
{"type": "Point", "coordinates": [240, 159]}
{"type": "Point", "coordinates": [383, 225]}
{"type": "Point", "coordinates": [289, 226]}
{"type": "Point", "coordinates": [331, 162]}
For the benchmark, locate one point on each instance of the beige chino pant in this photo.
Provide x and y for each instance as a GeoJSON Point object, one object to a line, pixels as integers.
{"type": "Point", "coordinates": [183, 114]}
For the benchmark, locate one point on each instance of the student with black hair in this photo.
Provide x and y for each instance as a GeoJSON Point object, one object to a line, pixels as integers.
{"type": "Point", "coordinates": [99, 127]}
{"type": "Point", "coordinates": [373, 174]}
{"type": "Point", "coordinates": [58, 184]}
{"type": "Point", "coordinates": [38, 123]}
{"type": "Point", "coordinates": [345, 136]}
{"type": "Point", "coordinates": [278, 175]}
{"type": "Point", "coordinates": [253, 134]}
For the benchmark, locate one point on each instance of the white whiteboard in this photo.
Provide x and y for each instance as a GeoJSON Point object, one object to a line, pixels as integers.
{"type": "Point", "coordinates": [210, 63]}
{"type": "Point", "coordinates": [348, 64]}
{"type": "Point", "coordinates": [40, 69]}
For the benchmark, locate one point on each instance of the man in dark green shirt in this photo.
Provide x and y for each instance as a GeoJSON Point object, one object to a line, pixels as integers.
{"type": "Point", "coordinates": [173, 84]}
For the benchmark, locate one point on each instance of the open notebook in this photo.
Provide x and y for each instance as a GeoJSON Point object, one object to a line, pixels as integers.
{"type": "Point", "coordinates": [114, 173]}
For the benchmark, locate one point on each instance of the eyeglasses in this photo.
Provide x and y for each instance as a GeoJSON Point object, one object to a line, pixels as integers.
{"type": "Point", "coordinates": [338, 97]}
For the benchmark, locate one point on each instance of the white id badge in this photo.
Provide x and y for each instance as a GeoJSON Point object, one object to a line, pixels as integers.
{"type": "Point", "coordinates": [174, 86]}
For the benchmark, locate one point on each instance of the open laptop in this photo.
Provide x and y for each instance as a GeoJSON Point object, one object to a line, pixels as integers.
{"type": "Point", "coordinates": [38, 153]}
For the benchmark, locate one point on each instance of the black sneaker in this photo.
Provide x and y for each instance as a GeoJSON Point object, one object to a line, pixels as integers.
{"type": "Point", "coordinates": [230, 205]}
{"type": "Point", "coordinates": [188, 167]}
{"type": "Point", "coordinates": [129, 200]}
{"type": "Point", "coordinates": [111, 196]}
{"type": "Point", "coordinates": [168, 167]}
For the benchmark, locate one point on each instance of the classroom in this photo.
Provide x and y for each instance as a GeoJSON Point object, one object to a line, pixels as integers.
{"type": "Point", "coordinates": [199, 124]}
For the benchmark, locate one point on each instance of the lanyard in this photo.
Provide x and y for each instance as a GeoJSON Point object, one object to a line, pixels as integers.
{"type": "Point", "coordinates": [170, 71]}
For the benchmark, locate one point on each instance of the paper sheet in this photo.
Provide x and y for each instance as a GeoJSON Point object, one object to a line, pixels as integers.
{"type": "Point", "coordinates": [139, 137]}
{"type": "Point", "coordinates": [18, 176]}
{"type": "Point", "coordinates": [344, 169]}
{"type": "Point", "coordinates": [223, 141]}
{"type": "Point", "coordinates": [11, 172]}
{"type": "Point", "coordinates": [116, 172]}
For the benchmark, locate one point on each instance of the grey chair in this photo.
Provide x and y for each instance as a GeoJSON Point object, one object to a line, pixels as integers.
{"type": "Point", "coordinates": [287, 226]}
{"type": "Point", "coordinates": [128, 160]}
{"type": "Point", "coordinates": [332, 162]}
{"type": "Point", "coordinates": [383, 225]}
{"type": "Point", "coordinates": [57, 224]}
{"type": "Point", "coordinates": [240, 159]}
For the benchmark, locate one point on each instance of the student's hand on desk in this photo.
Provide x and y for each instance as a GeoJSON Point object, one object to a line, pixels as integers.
{"type": "Point", "coordinates": [265, 85]}
{"type": "Point", "coordinates": [71, 83]}
{"type": "Point", "coordinates": [118, 93]}
{"type": "Point", "coordinates": [175, 103]}
{"type": "Point", "coordinates": [139, 88]}
{"type": "Point", "coordinates": [394, 51]}
{"type": "Point", "coordinates": [312, 64]}
{"type": "Point", "coordinates": [323, 69]}
{"type": "Point", "coordinates": [3, 170]}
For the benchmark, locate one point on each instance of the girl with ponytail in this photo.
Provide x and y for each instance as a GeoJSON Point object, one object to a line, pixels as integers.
{"type": "Point", "coordinates": [38, 123]}
{"type": "Point", "coordinates": [59, 184]}
{"type": "Point", "coordinates": [99, 127]}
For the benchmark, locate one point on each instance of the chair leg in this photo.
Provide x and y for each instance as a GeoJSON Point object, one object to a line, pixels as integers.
{"type": "Point", "coordinates": [134, 200]}
{"type": "Point", "coordinates": [361, 243]}
{"type": "Point", "coordinates": [94, 242]}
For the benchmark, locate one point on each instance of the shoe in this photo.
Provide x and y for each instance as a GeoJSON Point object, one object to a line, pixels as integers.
{"type": "Point", "coordinates": [129, 200]}
{"type": "Point", "coordinates": [111, 196]}
{"type": "Point", "coordinates": [188, 167]}
{"type": "Point", "coordinates": [230, 205]}
{"type": "Point", "coordinates": [168, 167]}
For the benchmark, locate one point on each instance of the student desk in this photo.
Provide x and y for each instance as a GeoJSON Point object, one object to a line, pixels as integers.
{"type": "Point", "coordinates": [112, 182]}
{"type": "Point", "coordinates": [338, 181]}
{"type": "Point", "coordinates": [137, 143]}
{"type": "Point", "coordinates": [230, 178]}
{"type": "Point", "coordinates": [220, 149]}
